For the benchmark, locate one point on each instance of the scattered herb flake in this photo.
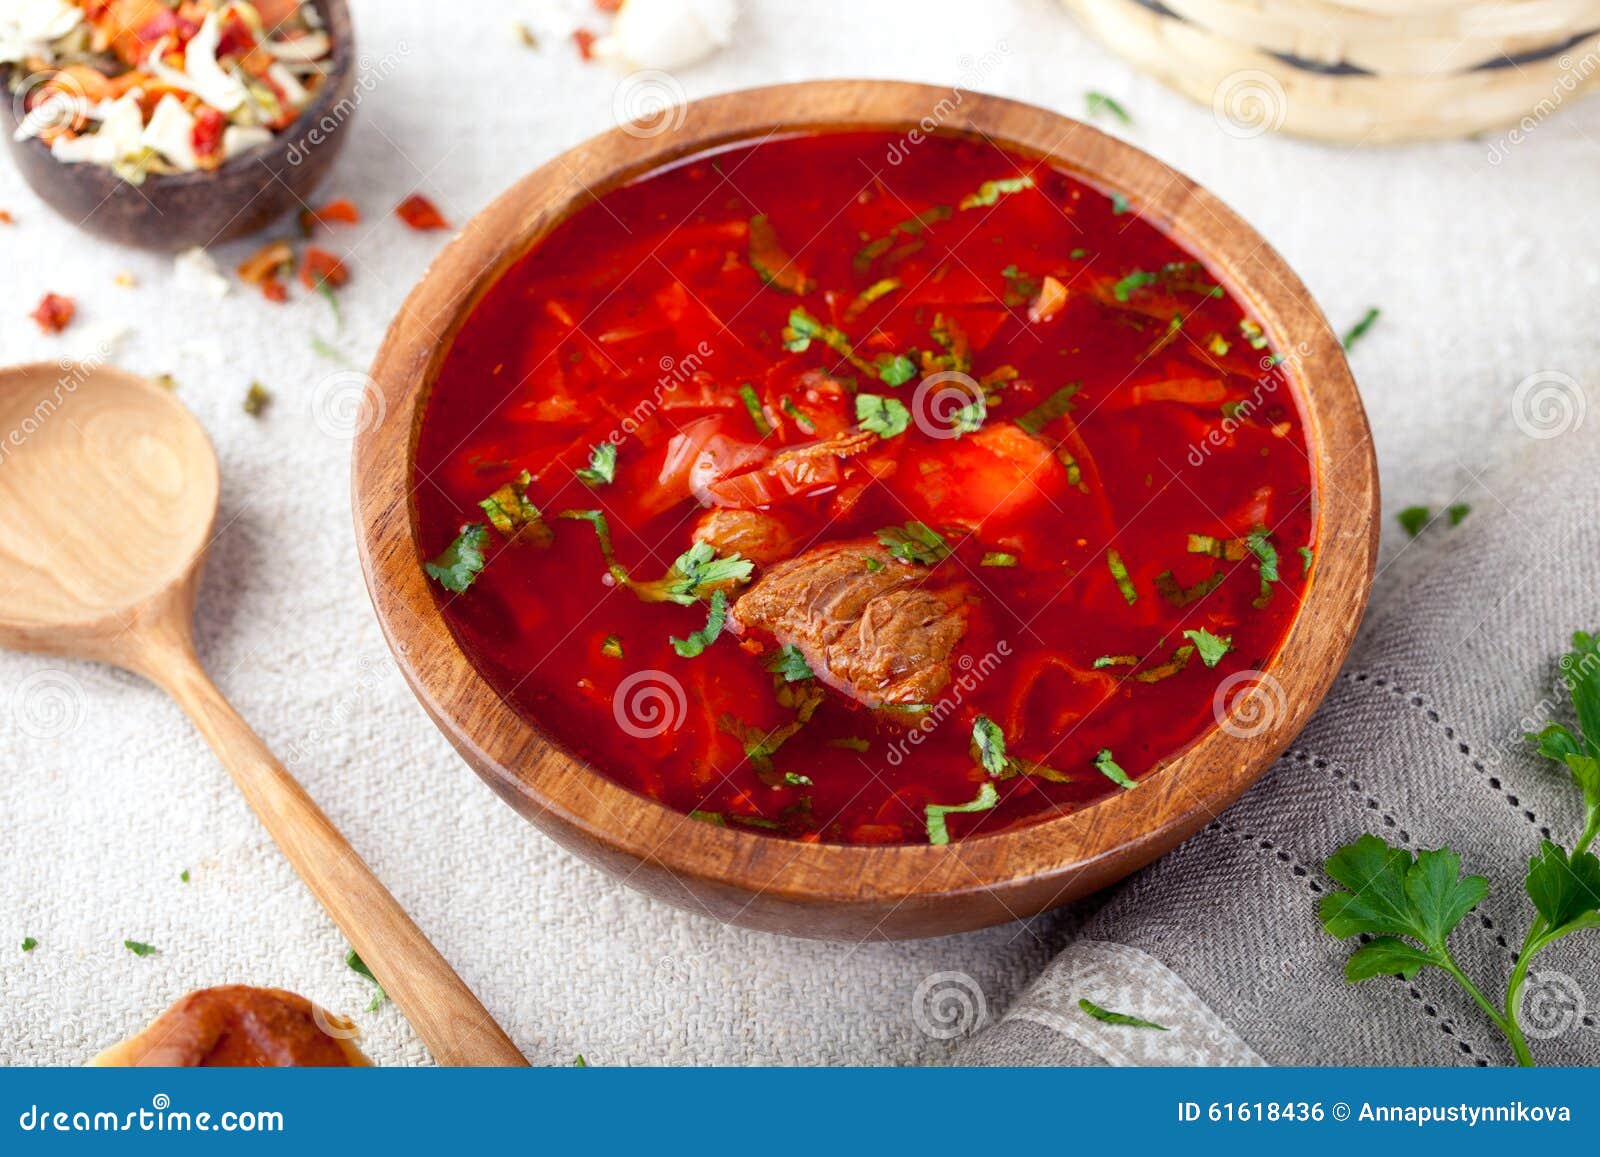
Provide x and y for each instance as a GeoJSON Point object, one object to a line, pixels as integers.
{"type": "Point", "coordinates": [509, 511]}
{"type": "Point", "coordinates": [1457, 512]}
{"type": "Point", "coordinates": [806, 425]}
{"type": "Point", "coordinates": [457, 566]}
{"type": "Point", "coordinates": [1108, 767]}
{"type": "Point", "coordinates": [139, 949]}
{"type": "Point", "coordinates": [772, 262]}
{"type": "Point", "coordinates": [611, 648]}
{"type": "Point", "coordinates": [602, 468]}
{"type": "Point", "coordinates": [998, 558]}
{"type": "Point", "coordinates": [1119, 203]}
{"type": "Point", "coordinates": [713, 818]}
{"type": "Point", "coordinates": [1211, 648]}
{"type": "Point", "coordinates": [789, 662]}
{"type": "Point", "coordinates": [1116, 661]}
{"type": "Point", "coordinates": [29, 944]}
{"type": "Point", "coordinates": [256, 399]}
{"type": "Point", "coordinates": [1122, 1018]}
{"type": "Point", "coordinates": [1120, 572]}
{"type": "Point", "coordinates": [1306, 559]}
{"type": "Point", "coordinates": [1177, 595]}
{"type": "Point", "coordinates": [1053, 407]}
{"type": "Point", "coordinates": [1137, 280]}
{"type": "Point", "coordinates": [938, 833]}
{"type": "Point", "coordinates": [894, 369]}
{"type": "Point", "coordinates": [183, 876]}
{"type": "Point", "coordinates": [1413, 518]}
{"type": "Point", "coordinates": [989, 745]}
{"type": "Point", "coordinates": [359, 967]}
{"type": "Point", "coordinates": [1098, 102]}
{"type": "Point", "coordinates": [914, 542]}
{"type": "Point", "coordinates": [990, 192]}
{"type": "Point", "coordinates": [1359, 330]}
{"type": "Point", "coordinates": [698, 641]}
{"type": "Point", "coordinates": [884, 416]}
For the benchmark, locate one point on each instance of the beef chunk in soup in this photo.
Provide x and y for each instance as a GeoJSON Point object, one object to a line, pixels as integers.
{"type": "Point", "coordinates": [869, 625]}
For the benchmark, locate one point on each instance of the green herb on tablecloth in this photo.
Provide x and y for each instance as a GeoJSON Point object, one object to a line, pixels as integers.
{"type": "Point", "coordinates": [1098, 102]}
{"type": "Point", "coordinates": [1108, 1017]}
{"type": "Point", "coordinates": [139, 949]}
{"type": "Point", "coordinates": [29, 944]}
{"type": "Point", "coordinates": [1407, 903]}
{"type": "Point", "coordinates": [359, 966]}
{"type": "Point", "coordinates": [1358, 331]}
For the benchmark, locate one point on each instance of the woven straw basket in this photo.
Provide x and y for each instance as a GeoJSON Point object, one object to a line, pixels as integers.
{"type": "Point", "coordinates": [1361, 70]}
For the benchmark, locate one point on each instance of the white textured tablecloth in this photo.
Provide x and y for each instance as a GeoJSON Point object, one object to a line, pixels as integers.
{"type": "Point", "coordinates": [1486, 273]}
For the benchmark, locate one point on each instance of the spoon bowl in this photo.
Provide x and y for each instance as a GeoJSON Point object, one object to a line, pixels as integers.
{"type": "Point", "coordinates": [108, 498]}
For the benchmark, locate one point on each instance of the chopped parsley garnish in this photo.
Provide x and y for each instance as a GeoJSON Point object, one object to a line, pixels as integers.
{"type": "Point", "coordinates": [457, 566]}
{"type": "Point", "coordinates": [880, 288]}
{"type": "Point", "coordinates": [1119, 204]}
{"type": "Point", "coordinates": [969, 418]}
{"type": "Point", "coordinates": [1134, 281]}
{"type": "Point", "coordinates": [998, 558]}
{"type": "Point", "coordinates": [772, 262]}
{"type": "Point", "coordinates": [910, 227]}
{"type": "Point", "coordinates": [579, 1063]}
{"type": "Point", "coordinates": [990, 192]}
{"type": "Point", "coordinates": [989, 745]}
{"type": "Point", "coordinates": [602, 467]}
{"type": "Point", "coordinates": [29, 944]}
{"type": "Point", "coordinates": [1231, 549]}
{"type": "Point", "coordinates": [803, 329]}
{"type": "Point", "coordinates": [1116, 661]}
{"type": "Point", "coordinates": [1178, 595]}
{"type": "Point", "coordinates": [694, 574]}
{"type": "Point", "coordinates": [789, 662]}
{"type": "Point", "coordinates": [698, 641]}
{"type": "Point", "coordinates": [747, 393]}
{"type": "Point", "coordinates": [914, 542]}
{"type": "Point", "coordinates": [1122, 1018]}
{"type": "Point", "coordinates": [1359, 330]}
{"type": "Point", "coordinates": [795, 779]}
{"type": "Point", "coordinates": [894, 369]}
{"type": "Point", "coordinates": [1210, 647]}
{"type": "Point", "coordinates": [359, 967]}
{"type": "Point", "coordinates": [256, 399]}
{"type": "Point", "coordinates": [1108, 767]}
{"type": "Point", "coordinates": [957, 349]}
{"type": "Point", "coordinates": [806, 425]}
{"type": "Point", "coordinates": [885, 417]}
{"type": "Point", "coordinates": [1259, 544]}
{"type": "Point", "coordinates": [1458, 512]}
{"type": "Point", "coordinates": [851, 743]}
{"type": "Point", "coordinates": [1306, 559]}
{"type": "Point", "coordinates": [873, 565]}
{"type": "Point", "coordinates": [183, 876]}
{"type": "Point", "coordinates": [1179, 660]}
{"type": "Point", "coordinates": [938, 833]}
{"type": "Point", "coordinates": [1252, 333]}
{"type": "Point", "coordinates": [1414, 518]}
{"type": "Point", "coordinates": [1053, 407]}
{"type": "Point", "coordinates": [1120, 572]}
{"type": "Point", "coordinates": [1218, 345]}
{"type": "Point", "coordinates": [612, 647]}
{"type": "Point", "coordinates": [509, 511]}
{"type": "Point", "coordinates": [1098, 102]}
{"type": "Point", "coordinates": [139, 949]}
{"type": "Point", "coordinates": [1020, 288]}
{"type": "Point", "coordinates": [713, 818]}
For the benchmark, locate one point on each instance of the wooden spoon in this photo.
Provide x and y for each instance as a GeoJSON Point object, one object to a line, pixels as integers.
{"type": "Point", "coordinates": [108, 496]}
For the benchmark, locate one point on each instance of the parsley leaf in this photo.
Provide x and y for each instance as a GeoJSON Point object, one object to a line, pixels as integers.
{"type": "Point", "coordinates": [1137, 280]}
{"type": "Point", "coordinates": [1457, 512]}
{"type": "Point", "coordinates": [1122, 1018]}
{"type": "Point", "coordinates": [1108, 767]}
{"type": "Point", "coordinates": [457, 566]}
{"type": "Point", "coordinates": [256, 399]}
{"type": "Point", "coordinates": [509, 511]}
{"type": "Point", "coordinates": [602, 466]}
{"type": "Point", "coordinates": [29, 944]}
{"type": "Point", "coordinates": [894, 369]}
{"type": "Point", "coordinates": [1564, 889]}
{"type": "Point", "coordinates": [990, 192]}
{"type": "Point", "coordinates": [938, 833]}
{"type": "Point", "coordinates": [772, 262]}
{"type": "Point", "coordinates": [1098, 102]}
{"type": "Point", "coordinates": [989, 745]}
{"type": "Point", "coordinates": [998, 558]}
{"type": "Point", "coordinates": [1259, 543]}
{"type": "Point", "coordinates": [694, 574]}
{"type": "Point", "coordinates": [915, 542]}
{"type": "Point", "coordinates": [1210, 647]}
{"type": "Point", "coordinates": [139, 949]}
{"type": "Point", "coordinates": [885, 417]}
{"type": "Point", "coordinates": [747, 393]}
{"type": "Point", "coordinates": [706, 635]}
{"type": "Point", "coordinates": [359, 966]}
{"type": "Point", "coordinates": [1119, 571]}
{"type": "Point", "coordinates": [1413, 518]}
{"type": "Point", "coordinates": [789, 662]}
{"type": "Point", "coordinates": [1047, 411]}
{"type": "Point", "coordinates": [1359, 330]}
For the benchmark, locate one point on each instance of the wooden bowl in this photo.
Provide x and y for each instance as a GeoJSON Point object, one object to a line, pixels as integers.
{"type": "Point", "coordinates": [180, 210]}
{"type": "Point", "coordinates": [839, 891]}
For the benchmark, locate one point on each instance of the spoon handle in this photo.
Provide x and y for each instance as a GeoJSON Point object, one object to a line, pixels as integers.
{"type": "Point", "coordinates": [457, 1029]}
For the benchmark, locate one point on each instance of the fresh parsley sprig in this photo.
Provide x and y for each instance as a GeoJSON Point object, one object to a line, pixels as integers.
{"type": "Point", "coordinates": [1410, 903]}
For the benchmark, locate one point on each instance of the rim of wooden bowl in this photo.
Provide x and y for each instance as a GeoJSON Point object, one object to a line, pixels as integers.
{"type": "Point", "coordinates": [834, 890]}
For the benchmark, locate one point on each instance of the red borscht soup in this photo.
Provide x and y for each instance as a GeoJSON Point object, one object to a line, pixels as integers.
{"type": "Point", "coordinates": [858, 491]}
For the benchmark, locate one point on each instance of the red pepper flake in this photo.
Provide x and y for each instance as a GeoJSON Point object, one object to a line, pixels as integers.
{"type": "Point", "coordinates": [272, 289]}
{"type": "Point", "coordinates": [54, 313]}
{"type": "Point", "coordinates": [340, 212]}
{"type": "Point", "coordinates": [584, 39]}
{"type": "Point", "coordinates": [319, 268]}
{"type": "Point", "coordinates": [419, 213]}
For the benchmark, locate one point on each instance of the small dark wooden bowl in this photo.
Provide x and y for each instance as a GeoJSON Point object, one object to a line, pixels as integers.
{"type": "Point", "coordinates": [827, 890]}
{"type": "Point", "coordinates": [181, 210]}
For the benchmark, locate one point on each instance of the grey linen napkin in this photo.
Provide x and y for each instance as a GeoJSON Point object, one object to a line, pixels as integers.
{"type": "Point", "coordinates": [1418, 742]}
